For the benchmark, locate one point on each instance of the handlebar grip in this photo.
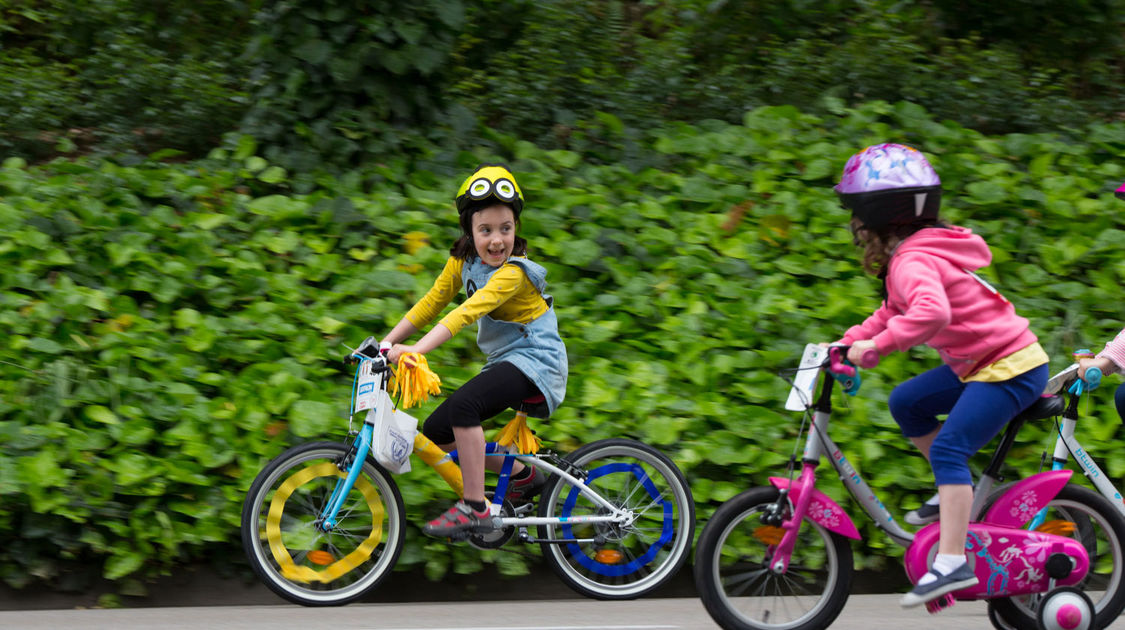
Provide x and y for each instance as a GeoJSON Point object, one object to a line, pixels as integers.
{"type": "Point", "coordinates": [1093, 377]}
{"type": "Point", "coordinates": [869, 358]}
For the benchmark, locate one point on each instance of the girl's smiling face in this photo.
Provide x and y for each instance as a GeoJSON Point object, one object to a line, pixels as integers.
{"type": "Point", "coordinates": [494, 234]}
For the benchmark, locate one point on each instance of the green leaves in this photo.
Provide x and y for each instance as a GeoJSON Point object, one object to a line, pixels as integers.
{"type": "Point", "coordinates": [174, 326]}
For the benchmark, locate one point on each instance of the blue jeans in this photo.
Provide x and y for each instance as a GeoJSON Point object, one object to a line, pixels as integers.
{"type": "Point", "coordinates": [1119, 398]}
{"type": "Point", "coordinates": [976, 413]}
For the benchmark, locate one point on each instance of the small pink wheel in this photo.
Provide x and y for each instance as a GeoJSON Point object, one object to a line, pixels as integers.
{"type": "Point", "coordinates": [1066, 608]}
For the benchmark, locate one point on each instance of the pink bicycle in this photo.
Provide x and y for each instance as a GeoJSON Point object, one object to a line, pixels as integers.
{"type": "Point", "coordinates": [778, 558]}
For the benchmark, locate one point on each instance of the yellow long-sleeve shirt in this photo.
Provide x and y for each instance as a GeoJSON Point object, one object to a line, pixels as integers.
{"type": "Point", "coordinates": [508, 295]}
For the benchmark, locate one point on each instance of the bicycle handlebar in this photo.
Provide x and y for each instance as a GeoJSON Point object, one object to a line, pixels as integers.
{"type": "Point", "coordinates": [369, 349]}
{"type": "Point", "coordinates": [837, 360]}
{"type": "Point", "coordinates": [1093, 376]}
{"type": "Point", "coordinates": [1089, 381]}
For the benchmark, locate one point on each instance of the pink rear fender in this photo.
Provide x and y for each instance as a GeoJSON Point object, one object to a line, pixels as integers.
{"type": "Point", "coordinates": [822, 510]}
{"type": "Point", "coordinates": [1024, 499]}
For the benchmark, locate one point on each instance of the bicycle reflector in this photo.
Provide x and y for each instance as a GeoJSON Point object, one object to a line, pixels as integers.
{"type": "Point", "coordinates": [1058, 528]}
{"type": "Point", "coordinates": [608, 556]}
{"type": "Point", "coordinates": [769, 534]}
{"type": "Point", "coordinates": [321, 557]}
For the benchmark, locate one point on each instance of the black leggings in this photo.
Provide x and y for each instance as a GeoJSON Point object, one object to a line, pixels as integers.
{"type": "Point", "coordinates": [489, 393]}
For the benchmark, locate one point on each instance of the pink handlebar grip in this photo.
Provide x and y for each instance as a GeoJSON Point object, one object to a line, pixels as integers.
{"type": "Point", "coordinates": [836, 362]}
{"type": "Point", "coordinates": [869, 358]}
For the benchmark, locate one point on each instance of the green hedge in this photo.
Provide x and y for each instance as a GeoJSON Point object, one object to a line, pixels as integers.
{"type": "Point", "coordinates": [171, 327]}
{"type": "Point", "coordinates": [337, 83]}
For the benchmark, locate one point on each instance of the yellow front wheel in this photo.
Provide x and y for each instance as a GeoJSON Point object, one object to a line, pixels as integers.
{"type": "Point", "coordinates": [292, 551]}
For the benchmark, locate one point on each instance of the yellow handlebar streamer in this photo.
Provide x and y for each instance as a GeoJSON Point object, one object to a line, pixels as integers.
{"type": "Point", "coordinates": [306, 574]}
{"type": "Point", "coordinates": [517, 432]}
{"type": "Point", "coordinates": [414, 379]}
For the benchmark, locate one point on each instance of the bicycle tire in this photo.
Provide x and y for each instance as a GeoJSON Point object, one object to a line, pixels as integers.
{"type": "Point", "coordinates": [637, 558]}
{"type": "Point", "coordinates": [1091, 513]}
{"type": "Point", "coordinates": [302, 563]}
{"type": "Point", "coordinates": [733, 557]}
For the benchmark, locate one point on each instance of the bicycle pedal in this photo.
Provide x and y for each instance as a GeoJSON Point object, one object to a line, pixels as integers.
{"type": "Point", "coordinates": [940, 604]}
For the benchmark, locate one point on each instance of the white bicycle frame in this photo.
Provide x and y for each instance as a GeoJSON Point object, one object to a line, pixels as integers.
{"type": "Point", "coordinates": [1067, 445]}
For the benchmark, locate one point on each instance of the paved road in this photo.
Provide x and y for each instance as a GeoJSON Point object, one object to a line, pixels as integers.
{"type": "Point", "coordinates": [863, 612]}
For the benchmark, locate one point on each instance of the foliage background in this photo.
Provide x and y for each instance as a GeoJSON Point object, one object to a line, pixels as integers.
{"type": "Point", "coordinates": [201, 202]}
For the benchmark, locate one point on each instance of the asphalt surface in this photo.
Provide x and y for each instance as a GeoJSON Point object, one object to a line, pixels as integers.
{"type": "Point", "coordinates": [863, 612]}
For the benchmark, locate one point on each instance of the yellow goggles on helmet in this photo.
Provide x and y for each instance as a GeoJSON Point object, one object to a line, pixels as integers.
{"type": "Point", "coordinates": [490, 180]}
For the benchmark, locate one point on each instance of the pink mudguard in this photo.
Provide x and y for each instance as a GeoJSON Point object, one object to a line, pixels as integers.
{"type": "Point", "coordinates": [1008, 560]}
{"type": "Point", "coordinates": [1024, 499]}
{"type": "Point", "coordinates": [822, 510]}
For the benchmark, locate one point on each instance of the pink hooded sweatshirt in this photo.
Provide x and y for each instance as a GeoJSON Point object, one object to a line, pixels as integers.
{"type": "Point", "coordinates": [934, 299]}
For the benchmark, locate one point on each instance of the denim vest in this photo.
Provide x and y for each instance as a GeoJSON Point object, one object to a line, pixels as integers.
{"type": "Point", "coordinates": [534, 348]}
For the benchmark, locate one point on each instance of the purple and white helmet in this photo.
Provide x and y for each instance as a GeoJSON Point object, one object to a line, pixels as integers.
{"type": "Point", "coordinates": [890, 185]}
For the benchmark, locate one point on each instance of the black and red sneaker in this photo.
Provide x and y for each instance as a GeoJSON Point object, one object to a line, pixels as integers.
{"type": "Point", "coordinates": [459, 518]}
{"type": "Point", "coordinates": [526, 489]}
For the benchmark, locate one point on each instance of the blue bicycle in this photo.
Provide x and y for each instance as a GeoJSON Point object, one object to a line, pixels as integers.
{"type": "Point", "coordinates": [323, 523]}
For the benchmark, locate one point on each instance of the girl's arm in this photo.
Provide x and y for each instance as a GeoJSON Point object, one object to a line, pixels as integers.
{"type": "Point", "coordinates": [401, 332]}
{"type": "Point", "coordinates": [873, 325]}
{"type": "Point", "coordinates": [445, 287]}
{"type": "Point", "coordinates": [917, 280]}
{"type": "Point", "coordinates": [1113, 354]}
{"type": "Point", "coordinates": [438, 335]}
{"type": "Point", "coordinates": [917, 283]}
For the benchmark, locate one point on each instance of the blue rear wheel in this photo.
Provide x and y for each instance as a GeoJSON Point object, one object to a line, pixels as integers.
{"type": "Point", "coordinates": [619, 560]}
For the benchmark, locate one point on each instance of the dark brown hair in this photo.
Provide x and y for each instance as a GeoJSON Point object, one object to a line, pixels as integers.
{"type": "Point", "coordinates": [464, 248]}
{"type": "Point", "coordinates": [878, 245]}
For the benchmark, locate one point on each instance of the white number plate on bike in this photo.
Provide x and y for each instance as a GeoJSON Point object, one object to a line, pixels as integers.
{"type": "Point", "coordinates": [366, 387]}
{"type": "Point", "coordinates": [804, 385]}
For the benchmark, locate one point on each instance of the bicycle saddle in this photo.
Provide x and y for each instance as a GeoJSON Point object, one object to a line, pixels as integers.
{"type": "Point", "coordinates": [1045, 407]}
{"type": "Point", "coordinates": [534, 406]}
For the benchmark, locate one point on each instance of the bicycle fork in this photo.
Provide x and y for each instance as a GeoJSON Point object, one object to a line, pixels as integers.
{"type": "Point", "coordinates": [424, 448]}
{"type": "Point", "coordinates": [362, 444]}
{"type": "Point", "coordinates": [784, 551]}
{"type": "Point", "coordinates": [1067, 445]}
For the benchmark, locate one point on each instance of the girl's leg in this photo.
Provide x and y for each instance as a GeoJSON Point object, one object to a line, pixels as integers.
{"type": "Point", "coordinates": [916, 404]}
{"type": "Point", "coordinates": [470, 451]}
{"type": "Point", "coordinates": [956, 501]}
{"type": "Point", "coordinates": [457, 422]}
{"type": "Point", "coordinates": [979, 413]}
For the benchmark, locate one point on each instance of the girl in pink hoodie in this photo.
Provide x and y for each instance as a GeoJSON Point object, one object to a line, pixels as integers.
{"type": "Point", "coordinates": [993, 364]}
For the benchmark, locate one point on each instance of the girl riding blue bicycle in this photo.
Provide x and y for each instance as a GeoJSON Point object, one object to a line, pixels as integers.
{"type": "Point", "coordinates": [518, 332]}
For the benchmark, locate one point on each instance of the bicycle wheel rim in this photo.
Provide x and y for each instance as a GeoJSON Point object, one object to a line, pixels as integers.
{"type": "Point", "coordinates": [760, 598]}
{"type": "Point", "coordinates": [635, 558]}
{"type": "Point", "coordinates": [302, 562]}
